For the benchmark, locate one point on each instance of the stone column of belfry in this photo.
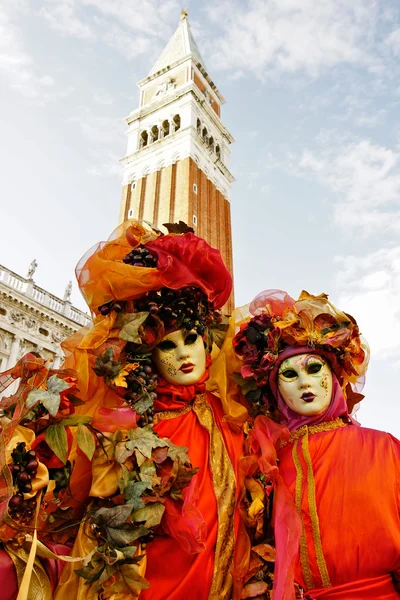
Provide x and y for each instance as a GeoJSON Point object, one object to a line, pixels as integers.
{"type": "Point", "coordinates": [182, 175]}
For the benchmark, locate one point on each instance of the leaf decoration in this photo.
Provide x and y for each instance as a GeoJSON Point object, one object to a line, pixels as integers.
{"type": "Point", "coordinates": [247, 385]}
{"type": "Point", "coordinates": [218, 331]}
{"type": "Point", "coordinates": [133, 491]}
{"type": "Point", "coordinates": [130, 331]}
{"type": "Point", "coordinates": [151, 514]}
{"type": "Point", "coordinates": [148, 473]}
{"type": "Point", "coordinates": [178, 228]}
{"type": "Point", "coordinates": [49, 398]}
{"type": "Point", "coordinates": [143, 404]}
{"type": "Point", "coordinates": [144, 440]}
{"type": "Point", "coordinates": [133, 580]}
{"type": "Point", "coordinates": [74, 420]}
{"type": "Point", "coordinates": [56, 439]}
{"type": "Point", "coordinates": [85, 441]}
{"type": "Point", "coordinates": [105, 365]}
{"type": "Point", "coordinates": [112, 517]}
{"type": "Point", "coordinates": [177, 452]}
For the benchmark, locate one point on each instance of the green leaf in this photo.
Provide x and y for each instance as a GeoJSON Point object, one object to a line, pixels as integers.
{"type": "Point", "coordinates": [144, 440]}
{"type": "Point", "coordinates": [132, 578]}
{"type": "Point", "coordinates": [247, 385]}
{"type": "Point", "coordinates": [56, 438]}
{"type": "Point", "coordinates": [127, 534]}
{"type": "Point", "coordinates": [151, 514]}
{"type": "Point", "coordinates": [86, 441]}
{"type": "Point", "coordinates": [147, 473]}
{"type": "Point", "coordinates": [130, 330]}
{"type": "Point", "coordinates": [112, 517]}
{"type": "Point", "coordinates": [74, 420]}
{"type": "Point", "coordinates": [177, 452]}
{"type": "Point", "coordinates": [143, 404]}
{"type": "Point", "coordinates": [49, 398]}
{"type": "Point", "coordinates": [133, 491]}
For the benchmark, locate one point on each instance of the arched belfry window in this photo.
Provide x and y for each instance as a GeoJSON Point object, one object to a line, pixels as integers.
{"type": "Point", "coordinates": [211, 143]}
{"type": "Point", "coordinates": [144, 138]}
{"type": "Point", "coordinates": [165, 128]}
{"type": "Point", "coordinates": [204, 134]}
{"type": "Point", "coordinates": [154, 133]}
{"type": "Point", "coordinates": [198, 126]}
{"type": "Point", "coordinates": [218, 151]}
{"type": "Point", "coordinates": [177, 122]}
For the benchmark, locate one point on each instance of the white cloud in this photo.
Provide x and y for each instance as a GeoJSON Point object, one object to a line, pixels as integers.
{"type": "Point", "coordinates": [366, 180]}
{"type": "Point", "coordinates": [369, 288]}
{"type": "Point", "coordinates": [287, 35]}
{"type": "Point", "coordinates": [103, 98]}
{"type": "Point", "coordinates": [393, 41]}
{"type": "Point", "coordinates": [18, 66]}
{"type": "Point", "coordinates": [98, 129]}
{"type": "Point", "coordinates": [62, 17]}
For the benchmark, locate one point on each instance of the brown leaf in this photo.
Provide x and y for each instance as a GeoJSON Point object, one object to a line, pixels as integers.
{"type": "Point", "coordinates": [180, 227]}
{"type": "Point", "coordinates": [266, 552]}
{"type": "Point", "coordinates": [252, 590]}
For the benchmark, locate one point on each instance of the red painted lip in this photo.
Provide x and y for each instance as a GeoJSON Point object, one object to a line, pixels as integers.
{"type": "Point", "coordinates": [187, 367]}
{"type": "Point", "coordinates": [308, 396]}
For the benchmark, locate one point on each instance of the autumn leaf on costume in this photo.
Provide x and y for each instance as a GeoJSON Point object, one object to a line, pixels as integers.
{"type": "Point", "coordinates": [113, 522]}
{"type": "Point", "coordinates": [85, 440]}
{"type": "Point", "coordinates": [247, 385]}
{"type": "Point", "coordinates": [144, 440]}
{"type": "Point", "coordinates": [56, 439]}
{"type": "Point", "coordinates": [266, 551]}
{"type": "Point", "coordinates": [74, 420]}
{"type": "Point", "coordinates": [130, 330]}
{"type": "Point", "coordinates": [120, 379]}
{"type": "Point", "coordinates": [182, 480]}
{"type": "Point", "coordinates": [133, 491]}
{"type": "Point", "coordinates": [148, 474]}
{"type": "Point", "coordinates": [145, 402]}
{"type": "Point", "coordinates": [177, 228]}
{"type": "Point", "coordinates": [177, 452]}
{"type": "Point", "coordinates": [151, 514]}
{"type": "Point", "coordinates": [49, 398]}
{"type": "Point", "coordinates": [218, 331]}
{"type": "Point", "coordinates": [105, 365]}
{"type": "Point", "coordinates": [132, 579]}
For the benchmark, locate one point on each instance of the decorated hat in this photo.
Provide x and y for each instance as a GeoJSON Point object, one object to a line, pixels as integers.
{"type": "Point", "coordinates": [279, 325]}
{"type": "Point", "coordinates": [140, 285]}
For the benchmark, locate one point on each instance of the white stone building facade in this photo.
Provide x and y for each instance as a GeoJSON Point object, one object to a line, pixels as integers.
{"type": "Point", "coordinates": [33, 320]}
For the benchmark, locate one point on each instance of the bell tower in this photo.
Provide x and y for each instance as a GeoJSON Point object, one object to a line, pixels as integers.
{"type": "Point", "coordinates": [176, 165]}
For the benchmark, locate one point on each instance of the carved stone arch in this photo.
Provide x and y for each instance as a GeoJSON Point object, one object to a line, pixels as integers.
{"type": "Point", "coordinates": [146, 171]}
{"type": "Point", "coordinates": [175, 157]}
{"type": "Point", "coordinates": [196, 160]}
{"type": "Point", "coordinates": [161, 164]}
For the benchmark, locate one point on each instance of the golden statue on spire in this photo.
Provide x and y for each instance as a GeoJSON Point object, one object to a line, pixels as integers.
{"type": "Point", "coordinates": [184, 14]}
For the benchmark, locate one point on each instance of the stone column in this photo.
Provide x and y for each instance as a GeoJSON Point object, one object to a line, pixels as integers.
{"type": "Point", "coordinates": [57, 361]}
{"type": "Point", "coordinates": [12, 359]}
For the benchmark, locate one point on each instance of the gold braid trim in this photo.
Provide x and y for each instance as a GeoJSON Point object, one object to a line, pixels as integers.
{"type": "Point", "coordinates": [310, 429]}
{"type": "Point", "coordinates": [171, 414]}
{"type": "Point", "coordinates": [312, 502]}
{"type": "Point", "coordinates": [304, 558]}
{"type": "Point", "coordinates": [223, 477]}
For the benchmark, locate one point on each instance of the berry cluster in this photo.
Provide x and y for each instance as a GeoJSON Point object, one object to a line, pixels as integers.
{"type": "Point", "coordinates": [140, 257]}
{"type": "Point", "coordinates": [186, 307]}
{"type": "Point", "coordinates": [106, 308]}
{"type": "Point", "coordinates": [23, 468]}
{"type": "Point", "coordinates": [142, 384]}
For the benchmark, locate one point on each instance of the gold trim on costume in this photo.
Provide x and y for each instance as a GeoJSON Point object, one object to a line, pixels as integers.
{"type": "Point", "coordinates": [165, 415]}
{"type": "Point", "coordinates": [304, 558]}
{"type": "Point", "coordinates": [223, 478]}
{"type": "Point", "coordinates": [311, 429]}
{"type": "Point", "coordinates": [312, 503]}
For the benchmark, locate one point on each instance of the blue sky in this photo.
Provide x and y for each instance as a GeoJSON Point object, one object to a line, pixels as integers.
{"type": "Point", "coordinates": [313, 98]}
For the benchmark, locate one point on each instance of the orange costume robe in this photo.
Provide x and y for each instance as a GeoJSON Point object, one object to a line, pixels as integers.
{"type": "Point", "coordinates": [214, 448]}
{"type": "Point", "coordinates": [346, 486]}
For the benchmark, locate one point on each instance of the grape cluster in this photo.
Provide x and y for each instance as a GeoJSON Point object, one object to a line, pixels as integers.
{"type": "Point", "coordinates": [187, 307]}
{"type": "Point", "coordinates": [140, 257]}
{"type": "Point", "coordinates": [23, 468]}
{"type": "Point", "coordinates": [117, 305]}
{"type": "Point", "coordinates": [142, 383]}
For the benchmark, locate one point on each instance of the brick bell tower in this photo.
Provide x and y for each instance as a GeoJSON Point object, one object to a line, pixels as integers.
{"type": "Point", "coordinates": [176, 165]}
